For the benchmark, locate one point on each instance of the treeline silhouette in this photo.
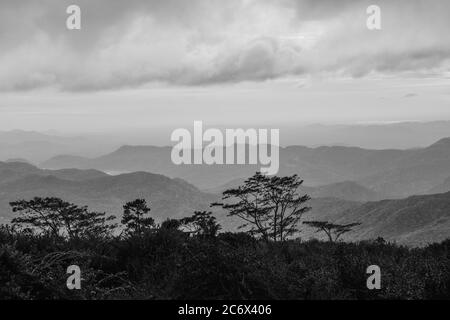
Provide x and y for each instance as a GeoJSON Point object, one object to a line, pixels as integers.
{"type": "Point", "coordinates": [190, 258]}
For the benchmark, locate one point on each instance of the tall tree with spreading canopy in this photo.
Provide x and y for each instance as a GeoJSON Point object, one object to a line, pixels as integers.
{"type": "Point", "coordinates": [332, 230]}
{"type": "Point", "coordinates": [56, 217]}
{"type": "Point", "coordinates": [134, 217]}
{"type": "Point", "coordinates": [270, 206]}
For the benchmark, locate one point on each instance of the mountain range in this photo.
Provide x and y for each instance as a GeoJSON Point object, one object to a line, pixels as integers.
{"type": "Point", "coordinates": [401, 195]}
{"type": "Point", "coordinates": [100, 191]}
{"type": "Point", "coordinates": [442, 188]}
{"type": "Point", "coordinates": [416, 220]}
{"type": "Point", "coordinates": [387, 173]}
{"type": "Point", "coordinates": [346, 190]}
{"type": "Point", "coordinates": [36, 147]}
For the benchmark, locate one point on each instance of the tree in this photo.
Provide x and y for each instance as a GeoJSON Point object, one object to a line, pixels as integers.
{"type": "Point", "coordinates": [96, 224]}
{"type": "Point", "coordinates": [331, 229]}
{"type": "Point", "coordinates": [134, 217]}
{"type": "Point", "coordinates": [202, 223]}
{"type": "Point", "coordinates": [170, 224]}
{"type": "Point", "coordinates": [271, 207]}
{"type": "Point", "coordinates": [57, 217]}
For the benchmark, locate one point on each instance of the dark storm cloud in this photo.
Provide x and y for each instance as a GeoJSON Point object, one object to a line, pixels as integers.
{"type": "Point", "coordinates": [126, 44]}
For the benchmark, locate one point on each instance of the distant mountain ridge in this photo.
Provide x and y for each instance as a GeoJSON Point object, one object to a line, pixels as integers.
{"type": "Point", "coordinates": [13, 170]}
{"type": "Point", "coordinates": [347, 190]}
{"type": "Point", "coordinates": [442, 188]}
{"type": "Point", "coordinates": [389, 173]}
{"type": "Point", "coordinates": [416, 220]}
{"type": "Point", "coordinates": [416, 173]}
{"type": "Point", "coordinates": [168, 197]}
{"type": "Point", "coordinates": [37, 146]}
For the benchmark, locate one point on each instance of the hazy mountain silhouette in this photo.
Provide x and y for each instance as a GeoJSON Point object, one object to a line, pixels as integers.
{"type": "Point", "coordinates": [18, 160]}
{"type": "Point", "coordinates": [383, 135]}
{"type": "Point", "coordinates": [389, 173]}
{"type": "Point", "coordinates": [347, 190]}
{"type": "Point", "coordinates": [415, 220]}
{"type": "Point", "coordinates": [317, 166]}
{"type": "Point", "coordinates": [156, 160]}
{"type": "Point", "coordinates": [36, 146]}
{"type": "Point", "coordinates": [39, 146]}
{"type": "Point", "coordinates": [441, 188]}
{"type": "Point", "coordinates": [415, 173]}
{"type": "Point", "coordinates": [10, 171]}
{"type": "Point", "coordinates": [168, 197]}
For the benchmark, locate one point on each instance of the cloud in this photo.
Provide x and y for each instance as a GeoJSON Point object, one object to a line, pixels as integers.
{"type": "Point", "coordinates": [127, 44]}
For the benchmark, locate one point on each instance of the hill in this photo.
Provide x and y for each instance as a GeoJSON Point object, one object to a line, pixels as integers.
{"type": "Point", "coordinates": [416, 220]}
{"type": "Point", "coordinates": [416, 173]}
{"type": "Point", "coordinates": [317, 166]}
{"type": "Point", "coordinates": [168, 197]}
{"type": "Point", "coordinates": [10, 171]}
{"type": "Point", "coordinates": [441, 188]}
{"type": "Point", "coordinates": [389, 173]}
{"type": "Point", "coordinates": [36, 147]}
{"type": "Point", "coordinates": [347, 190]}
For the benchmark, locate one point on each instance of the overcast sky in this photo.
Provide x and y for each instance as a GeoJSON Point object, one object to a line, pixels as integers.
{"type": "Point", "coordinates": [147, 63]}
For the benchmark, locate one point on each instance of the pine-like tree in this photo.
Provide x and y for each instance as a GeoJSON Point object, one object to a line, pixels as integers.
{"type": "Point", "coordinates": [134, 217]}
{"type": "Point", "coordinates": [270, 206]}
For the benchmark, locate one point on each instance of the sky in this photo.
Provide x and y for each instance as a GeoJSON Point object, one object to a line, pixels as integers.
{"type": "Point", "coordinates": [142, 64]}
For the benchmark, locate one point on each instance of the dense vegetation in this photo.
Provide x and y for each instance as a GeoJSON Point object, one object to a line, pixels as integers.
{"type": "Point", "coordinates": [167, 264]}
{"type": "Point", "coordinates": [190, 259]}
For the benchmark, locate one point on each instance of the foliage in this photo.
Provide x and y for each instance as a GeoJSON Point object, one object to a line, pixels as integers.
{"type": "Point", "coordinates": [57, 218]}
{"type": "Point", "coordinates": [134, 217]}
{"type": "Point", "coordinates": [332, 230]}
{"type": "Point", "coordinates": [202, 223]}
{"type": "Point", "coordinates": [165, 262]}
{"type": "Point", "coordinates": [270, 206]}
